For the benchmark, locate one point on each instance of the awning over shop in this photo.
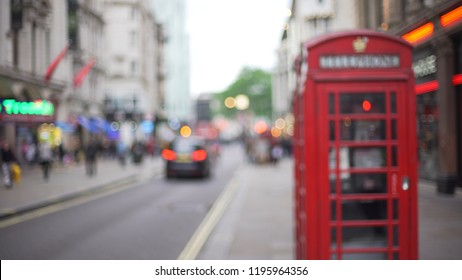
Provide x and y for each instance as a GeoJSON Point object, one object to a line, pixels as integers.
{"type": "Point", "coordinates": [65, 126]}
{"type": "Point", "coordinates": [94, 124]}
{"type": "Point", "coordinates": [87, 124]}
{"type": "Point", "coordinates": [101, 124]}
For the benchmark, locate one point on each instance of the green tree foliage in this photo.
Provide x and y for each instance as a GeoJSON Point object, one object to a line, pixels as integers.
{"type": "Point", "coordinates": [256, 84]}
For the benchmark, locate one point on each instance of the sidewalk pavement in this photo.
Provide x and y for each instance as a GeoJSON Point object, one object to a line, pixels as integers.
{"type": "Point", "coordinates": [440, 223]}
{"type": "Point", "coordinates": [68, 182]}
{"type": "Point", "coordinates": [258, 222]}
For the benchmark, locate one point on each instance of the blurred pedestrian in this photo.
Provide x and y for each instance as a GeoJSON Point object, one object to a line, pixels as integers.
{"type": "Point", "coordinates": [61, 153]}
{"type": "Point", "coordinates": [122, 153]}
{"type": "Point", "coordinates": [78, 153]}
{"type": "Point", "coordinates": [150, 145]}
{"type": "Point", "coordinates": [24, 148]}
{"type": "Point", "coordinates": [91, 152]}
{"type": "Point", "coordinates": [7, 159]}
{"type": "Point", "coordinates": [137, 152]}
{"type": "Point", "coordinates": [31, 154]}
{"type": "Point", "coordinates": [45, 158]}
{"type": "Point", "coordinates": [276, 153]}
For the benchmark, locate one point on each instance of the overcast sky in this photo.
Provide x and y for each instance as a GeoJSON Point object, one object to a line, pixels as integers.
{"type": "Point", "coordinates": [226, 35]}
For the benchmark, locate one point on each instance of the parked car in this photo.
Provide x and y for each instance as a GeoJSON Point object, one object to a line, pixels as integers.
{"type": "Point", "coordinates": [187, 157]}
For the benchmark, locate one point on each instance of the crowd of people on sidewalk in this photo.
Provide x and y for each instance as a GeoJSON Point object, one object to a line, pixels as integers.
{"type": "Point", "coordinates": [262, 150]}
{"type": "Point", "coordinates": [43, 154]}
{"type": "Point", "coordinates": [7, 157]}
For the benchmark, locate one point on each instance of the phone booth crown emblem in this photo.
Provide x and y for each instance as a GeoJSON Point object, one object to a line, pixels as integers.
{"type": "Point", "coordinates": [360, 44]}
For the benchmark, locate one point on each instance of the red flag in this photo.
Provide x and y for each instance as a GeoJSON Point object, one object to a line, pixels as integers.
{"type": "Point", "coordinates": [55, 63]}
{"type": "Point", "coordinates": [78, 79]}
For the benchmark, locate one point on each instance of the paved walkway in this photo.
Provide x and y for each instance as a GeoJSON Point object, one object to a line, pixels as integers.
{"type": "Point", "coordinates": [440, 223]}
{"type": "Point", "coordinates": [258, 223]}
{"type": "Point", "coordinates": [68, 182]}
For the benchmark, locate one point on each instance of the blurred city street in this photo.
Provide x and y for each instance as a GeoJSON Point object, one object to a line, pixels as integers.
{"type": "Point", "coordinates": [187, 129]}
{"type": "Point", "coordinates": [257, 223]}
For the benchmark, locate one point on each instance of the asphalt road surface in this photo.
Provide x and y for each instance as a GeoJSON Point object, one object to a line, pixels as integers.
{"type": "Point", "coordinates": [154, 219]}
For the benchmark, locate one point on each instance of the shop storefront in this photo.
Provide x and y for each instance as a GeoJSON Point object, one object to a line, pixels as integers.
{"type": "Point", "coordinates": [425, 68]}
{"type": "Point", "coordinates": [437, 64]}
{"type": "Point", "coordinates": [26, 122]}
{"type": "Point", "coordinates": [457, 81]}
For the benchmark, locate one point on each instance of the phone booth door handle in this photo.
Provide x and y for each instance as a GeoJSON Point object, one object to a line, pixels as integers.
{"type": "Point", "coordinates": [405, 184]}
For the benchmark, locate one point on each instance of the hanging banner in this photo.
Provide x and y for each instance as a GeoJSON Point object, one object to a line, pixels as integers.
{"type": "Point", "coordinates": [55, 63]}
{"type": "Point", "coordinates": [80, 77]}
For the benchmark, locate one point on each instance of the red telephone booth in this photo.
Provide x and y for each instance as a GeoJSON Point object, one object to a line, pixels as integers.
{"type": "Point", "coordinates": [355, 145]}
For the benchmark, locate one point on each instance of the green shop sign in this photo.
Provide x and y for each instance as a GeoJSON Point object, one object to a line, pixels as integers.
{"type": "Point", "coordinates": [38, 108]}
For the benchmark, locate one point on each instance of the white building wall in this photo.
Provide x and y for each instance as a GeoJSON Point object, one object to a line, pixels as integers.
{"type": "Point", "coordinates": [44, 26]}
{"type": "Point", "coordinates": [310, 18]}
{"type": "Point", "coordinates": [130, 55]}
{"type": "Point", "coordinates": [148, 60]}
{"type": "Point", "coordinates": [55, 42]}
{"type": "Point", "coordinates": [280, 82]}
{"type": "Point", "coordinates": [172, 15]}
{"type": "Point", "coordinates": [5, 39]}
{"type": "Point", "coordinates": [59, 39]}
{"type": "Point", "coordinates": [90, 28]}
{"type": "Point", "coordinates": [35, 39]}
{"type": "Point", "coordinates": [345, 15]}
{"type": "Point", "coordinates": [25, 48]}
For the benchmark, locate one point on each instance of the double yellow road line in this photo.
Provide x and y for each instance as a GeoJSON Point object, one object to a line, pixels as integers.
{"type": "Point", "coordinates": [197, 241]}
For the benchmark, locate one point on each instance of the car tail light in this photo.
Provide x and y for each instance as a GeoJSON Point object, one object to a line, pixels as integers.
{"type": "Point", "coordinates": [168, 154]}
{"type": "Point", "coordinates": [199, 155]}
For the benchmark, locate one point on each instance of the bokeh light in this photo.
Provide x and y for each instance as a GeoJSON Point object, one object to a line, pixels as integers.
{"type": "Point", "coordinates": [185, 131]}
{"type": "Point", "coordinates": [260, 127]}
{"type": "Point", "coordinates": [367, 105]}
{"type": "Point", "coordinates": [242, 102]}
{"type": "Point", "coordinates": [230, 102]}
{"type": "Point", "coordinates": [276, 132]}
{"type": "Point", "coordinates": [280, 123]}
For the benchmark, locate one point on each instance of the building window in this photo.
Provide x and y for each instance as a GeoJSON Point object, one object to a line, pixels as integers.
{"type": "Point", "coordinates": [72, 8]}
{"type": "Point", "coordinates": [133, 39]}
{"type": "Point", "coordinates": [403, 9]}
{"type": "Point", "coordinates": [327, 24]}
{"type": "Point", "coordinates": [427, 133]}
{"type": "Point", "coordinates": [386, 11]}
{"type": "Point", "coordinates": [48, 46]}
{"type": "Point", "coordinates": [34, 47]}
{"type": "Point", "coordinates": [133, 13]}
{"type": "Point", "coordinates": [427, 3]}
{"type": "Point", "coordinates": [134, 68]}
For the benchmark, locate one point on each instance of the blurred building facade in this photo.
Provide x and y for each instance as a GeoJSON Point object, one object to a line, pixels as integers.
{"type": "Point", "coordinates": [134, 88]}
{"type": "Point", "coordinates": [54, 57]}
{"type": "Point", "coordinates": [308, 19]}
{"type": "Point", "coordinates": [83, 100]}
{"type": "Point", "coordinates": [434, 28]}
{"type": "Point", "coordinates": [172, 15]}
{"type": "Point", "coordinates": [32, 33]}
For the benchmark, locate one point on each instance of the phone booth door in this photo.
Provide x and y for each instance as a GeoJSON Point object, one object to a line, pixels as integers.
{"type": "Point", "coordinates": [362, 126]}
